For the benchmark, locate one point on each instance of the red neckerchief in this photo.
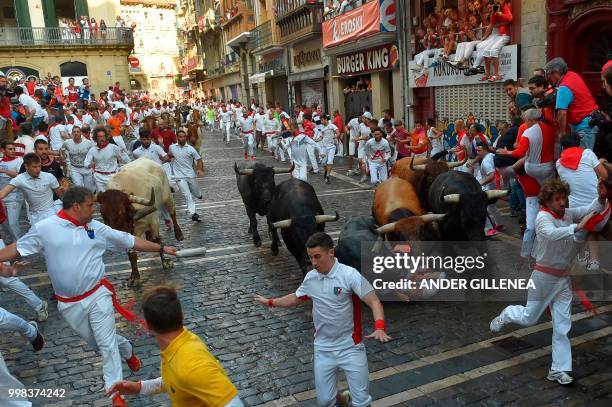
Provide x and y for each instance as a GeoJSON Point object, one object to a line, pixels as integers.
{"type": "Point", "coordinates": [570, 157]}
{"type": "Point", "coordinates": [62, 214]}
{"type": "Point", "coordinates": [103, 146]}
{"type": "Point", "coordinates": [6, 159]}
{"type": "Point", "coordinates": [554, 215]}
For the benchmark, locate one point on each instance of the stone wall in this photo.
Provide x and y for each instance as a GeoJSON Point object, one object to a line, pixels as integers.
{"type": "Point", "coordinates": [533, 36]}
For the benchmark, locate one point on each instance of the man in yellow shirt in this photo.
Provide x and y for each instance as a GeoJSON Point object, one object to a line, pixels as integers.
{"type": "Point", "coordinates": [190, 374]}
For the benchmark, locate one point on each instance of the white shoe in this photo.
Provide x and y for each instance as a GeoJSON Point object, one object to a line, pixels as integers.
{"type": "Point", "coordinates": [593, 265]}
{"type": "Point", "coordinates": [560, 377]}
{"type": "Point", "coordinates": [496, 324]}
{"type": "Point", "coordinates": [583, 259]}
{"type": "Point", "coordinates": [363, 179]}
{"type": "Point", "coordinates": [43, 314]}
{"type": "Point", "coordinates": [349, 173]}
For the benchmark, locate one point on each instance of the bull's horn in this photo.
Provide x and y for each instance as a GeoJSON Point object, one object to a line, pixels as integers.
{"type": "Point", "coordinates": [431, 217]}
{"type": "Point", "coordinates": [456, 164]}
{"type": "Point", "coordinates": [284, 170]}
{"type": "Point", "coordinates": [141, 213]}
{"type": "Point", "coordinates": [282, 224]}
{"type": "Point", "coordinates": [452, 198]}
{"type": "Point", "coordinates": [327, 218]}
{"type": "Point", "coordinates": [384, 229]}
{"type": "Point", "coordinates": [244, 171]}
{"type": "Point", "coordinates": [142, 201]}
{"type": "Point", "coordinates": [417, 167]}
{"type": "Point", "coordinates": [496, 193]}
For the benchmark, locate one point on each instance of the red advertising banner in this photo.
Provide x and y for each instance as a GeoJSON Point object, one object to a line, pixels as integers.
{"type": "Point", "coordinates": [380, 58]}
{"type": "Point", "coordinates": [361, 22]}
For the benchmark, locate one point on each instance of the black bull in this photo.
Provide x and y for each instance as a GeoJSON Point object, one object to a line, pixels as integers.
{"type": "Point", "coordinates": [460, 196]}
{"type": "Point", "coordinates": [256, 186]}
{"type": "Point", "coordinates": [296, 210]}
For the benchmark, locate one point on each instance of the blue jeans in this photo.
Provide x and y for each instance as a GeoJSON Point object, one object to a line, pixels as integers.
{"type": "Point", "coordinates": [587, 135]}
{"type": "Point", "coordinates": [517, 197]}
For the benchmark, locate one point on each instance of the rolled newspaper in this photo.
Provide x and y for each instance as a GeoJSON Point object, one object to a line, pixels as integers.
{"type": "Point", "coordinates": [200, 251]}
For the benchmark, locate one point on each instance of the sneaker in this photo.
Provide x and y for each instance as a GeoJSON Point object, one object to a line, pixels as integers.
{"type": "Point", "coordinates": [43, 314]}
{"type": "Point", "coordinates": [315, 172]}
{"type": "Point", "coordinates": [559, 377]}
{"type": "Point", "coordinates": [327, 182]}
{"type": "Point", "coordinates": [496, 324]}
{"type": "Point", "coordinates": [246, 156]}
{"type": "Point", "coordinates": [252, 158]}
{"type": "Point", "coordinates": [363, 179]}
{"type": "Point", "coordinates": [119, 401]}
{"type": "Point", "coordinates": [39, 342]}
{"type": "Point", "coordinates": [471, 72]}
{"type": "Point", "coordinates": [195, 217]}
{"type": "Point", "coordinates": [491, 232]}
{"type": "Point", "coordinates": [349, 173]}
{"type": "Point", "coordinates": [500, 228]}
{"type": "Point", "coordinates": [593, 265]}
{"type": "Point", "coordinates": [347, 398]}
{"type": "Point", "coordinates": [583, 258]}
{"type": "Point", "coordinates": [133, 362]}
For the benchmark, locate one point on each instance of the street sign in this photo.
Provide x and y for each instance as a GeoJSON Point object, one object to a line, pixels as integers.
{"type": "Point", "coordinates": [133, 61]}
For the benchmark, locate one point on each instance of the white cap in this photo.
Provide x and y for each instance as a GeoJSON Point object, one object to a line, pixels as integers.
{"type": "Point", "coordinates": [2, 75]}
{"type": "Point", "coordinates": [367, 115]}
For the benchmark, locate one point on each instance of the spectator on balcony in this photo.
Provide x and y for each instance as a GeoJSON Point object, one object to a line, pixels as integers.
{"type": "Point", "coordinates": [472, 34]}
{"type": "Point", "coordinates": [103, 28]}
{"type": "Point", "coordinates": [94, 28]}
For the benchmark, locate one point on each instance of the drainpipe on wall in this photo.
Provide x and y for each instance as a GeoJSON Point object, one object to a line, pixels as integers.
{"type": "Point", "coordinates": [404, 31]}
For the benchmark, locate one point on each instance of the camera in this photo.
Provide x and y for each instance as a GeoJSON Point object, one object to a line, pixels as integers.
{"type": "Point", "coordinates": [495, 8]}
{"type": "Point", "coordinates": [597, 118]}
{"type": "Point", "coordinates": [548, 100]}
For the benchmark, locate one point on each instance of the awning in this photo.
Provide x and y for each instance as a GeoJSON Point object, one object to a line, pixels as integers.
{"type": "Point", "coordinates": [240, 39]}
{"type": "Point", "coordinates": [304, 76]}
{"type": "Point", "coordinates": [260, 77]}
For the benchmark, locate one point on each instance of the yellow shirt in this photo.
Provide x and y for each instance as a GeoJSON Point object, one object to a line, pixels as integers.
{"type": "Point", "coordinates": [192, 376]}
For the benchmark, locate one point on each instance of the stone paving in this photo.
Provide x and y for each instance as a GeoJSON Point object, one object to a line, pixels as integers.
{"type": "Point", "coordinates": [436, 349]}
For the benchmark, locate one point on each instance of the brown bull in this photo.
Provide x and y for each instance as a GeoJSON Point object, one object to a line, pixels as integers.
{"type": "Point", "coordinates": [150, 123]}
{"type": "Point", "coordinates": [396, 206]}
{"type": "Point", "coordinates": [421, 172]}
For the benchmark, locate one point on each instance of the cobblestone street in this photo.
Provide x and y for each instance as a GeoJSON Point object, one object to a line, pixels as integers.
{"type": "Point", "coordinates": [442, 354]}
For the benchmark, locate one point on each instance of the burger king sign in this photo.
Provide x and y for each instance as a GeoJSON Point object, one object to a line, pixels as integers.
{"type": "Point", "coordinates": [374, 59]}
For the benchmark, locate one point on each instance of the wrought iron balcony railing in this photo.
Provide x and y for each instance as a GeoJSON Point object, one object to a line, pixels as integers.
{"type": "Point", "coordinates": [62, 36]}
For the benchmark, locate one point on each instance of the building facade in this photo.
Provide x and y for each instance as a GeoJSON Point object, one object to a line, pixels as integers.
{"type": "Point", "coordinates": [154, 62]}
{"type": "Point", "coordinates": [40, 38]}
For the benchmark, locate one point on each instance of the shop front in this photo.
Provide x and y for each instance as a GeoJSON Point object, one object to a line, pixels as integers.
{"type": "Point", "coordinates": [308, 73]}
{"type": "Point", "coordinates": [269, 83]}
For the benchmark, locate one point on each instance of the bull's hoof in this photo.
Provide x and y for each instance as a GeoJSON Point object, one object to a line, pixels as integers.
{"type": "Point", "coordinates": [179, 235]}
{"type": "Point", "coordinates": [167, 264]}
{"type": "Point", "coordinates": [133, 281]}
{"type": "Point", "coordinates": [257, 241]}
{"type": "Point", "coordinates": [250, 230]}
{"type": "Point", "coordinates": [274, 250]}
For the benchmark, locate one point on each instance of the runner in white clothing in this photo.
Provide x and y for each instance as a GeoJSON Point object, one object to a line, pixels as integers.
{"type": "Point", "coordinates": [73, 246]}
{"type": "Point", "coordinates": [225, 122]}
{"type": "Point", "coordinates": [246, 123]}
{"type": "Point", "coordinates": [329, 139]}
{"type": "Point", "coordinates": [9, 169]}
{"type": "Point", "coordinates": [353, 129]}
{"type": "Point", "coordinates": [271, 131]}
{"type": "Point", "coordinates": [377, 152]}
{"type": "Point", "coordinates": [74, 152]}
{"type": "Point", "coordinates": [104, 158]}
{"type": "Point", "coordinates": [299, 152]}
{"type": "Point", "coordinates": [184, 157]}
{"type": "Point", "coordinates": [37, 188]}
{"type": "Point", "coordinates": [338, 344]}
{"type": "Point", "coordinates": [150, 150]}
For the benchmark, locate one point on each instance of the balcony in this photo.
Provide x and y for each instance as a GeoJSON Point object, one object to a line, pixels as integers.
{"type": "Point", "coordinates": [353, 4]}
{"type": "Point", "coordinates": [300, 23]}
{"type": "Point", "coordinates": [287, 7]}
{"type": "Point", "coordinates": [43, 37]}
{"type": "Point", "coordinates": [265, 37]}
{"type": "Point", "coordinates": [194, 63]}
{"type": "Point", "coordinates": [237, 19]}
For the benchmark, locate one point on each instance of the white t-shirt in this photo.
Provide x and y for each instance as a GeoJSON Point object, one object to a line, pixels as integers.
{"type": "Point", "coordinates": [377, 151]}
{"type": "Point", "coordinates": [487, 166]}
{"type": "Point", "coordinates": [259, 121]}
{"type": "Point", "coordinates": [12, 165]}
{"type": "Point", "coordinates": [73, 258]}
{"type": "Point", "coordinates": [329, 134]}
{"type": "Point", "coordinates": [38, 192]}
{"type": "Point", "coordinates": [226, 117]}
{"type": "Point", "coordinates": [436, 143]}
{"type": "Point", "coordinates": [25, 144]}
{"type": "Point", "coordinates": [354, 128]}
{"type": "Point", "coordinates": [246, 124]}
{"type": "Point", "coordinates": [106, 159]}
{"type": "Point", "coordinates": [56, 139]}
{"type": "Point", "coordinates": [31, 104]}
{"type": "Point", "coordinates": [364, 131]}
{"type": "Point", "coordinates": [183, 159]}
{"type": "Point", "coordinates": [154, 152]}
{"type": "Point", "coordinates": [77, 152]}
{"type": "Point", "coordinates": [333, 308]}
{"type": "Point", "coordinates": [582, 181]}
{"type": "Point", "coordinates": [271, 125]}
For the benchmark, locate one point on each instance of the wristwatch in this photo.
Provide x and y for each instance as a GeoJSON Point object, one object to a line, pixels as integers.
{"type": "Point", "coordinates": [161, 248]}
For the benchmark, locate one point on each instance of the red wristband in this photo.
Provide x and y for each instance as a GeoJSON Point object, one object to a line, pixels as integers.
{"type": "Point", "coordinates": [380, 324]}
{"type": "Point", "coordinates": [271, 303]}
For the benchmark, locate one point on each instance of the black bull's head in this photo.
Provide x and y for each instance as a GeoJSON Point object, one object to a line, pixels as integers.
{"type": "Point", "coordinates": [262, 183]}
{"type": "Point", "coordinates": [297, 230]}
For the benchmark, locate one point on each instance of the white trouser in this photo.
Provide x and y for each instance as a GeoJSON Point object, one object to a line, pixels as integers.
{"type": "Point", "coordinates": [280, 148]}
{"type": "Point", "coordinates": [422, 58]}
{"type": "Point", "coordinates": [235, 402]}
{"type": "Point", "coordinates": [532, 207]}
{"type": "Point", "coordinates": [340, 150]}
{"type": "Point", "coordinates": [490, 48]}
{"type": "Point", "coordinates": [18, 287]}
{"type": "Point", "coordinates": [37, 216]}
{"type": "Point", "coordinates": [12, 322]}
{"type": "Point", "coordinates": [300, 171]}
{"type": "Point", "coordinates": [227, 126]}
{"type": "Point", "coordinates": [8, 381]}
{"type": "Point", "coordinates": [420, 155]}
{"type": "Point", "coordinates": [465, 50]}
{"type": "Point", "coordinates": [189, 188]}
{"type": "Point", "coordinates": [13, 211]}
{"type": "Point", "coordinates": [378, 172]}
{"type": "Point", "coordinates": [248, 141]}
{"type": "Point", "coordinates": [556, 292]}
{"type": "Point", "coordinates": [82, 177]}
{"type": "Point", "coordinates": [494, 216]}
{"type": "Point", "coordinates": [310, 150]}
{"type": "Point", "coordinates": [168, 170]}
{"type": "Point", "coordinates": [541, 172]}
{"type": "Point", "coordinates": [101, 181]}
{"type": "Point", "coordinates": [330, 153]}
{"type": "Point", "coordinates": [93, 319]}
{"type": "Point", "coordinates": [436, 150]}
{"type": "Point", "coordinates": [354, 362]}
